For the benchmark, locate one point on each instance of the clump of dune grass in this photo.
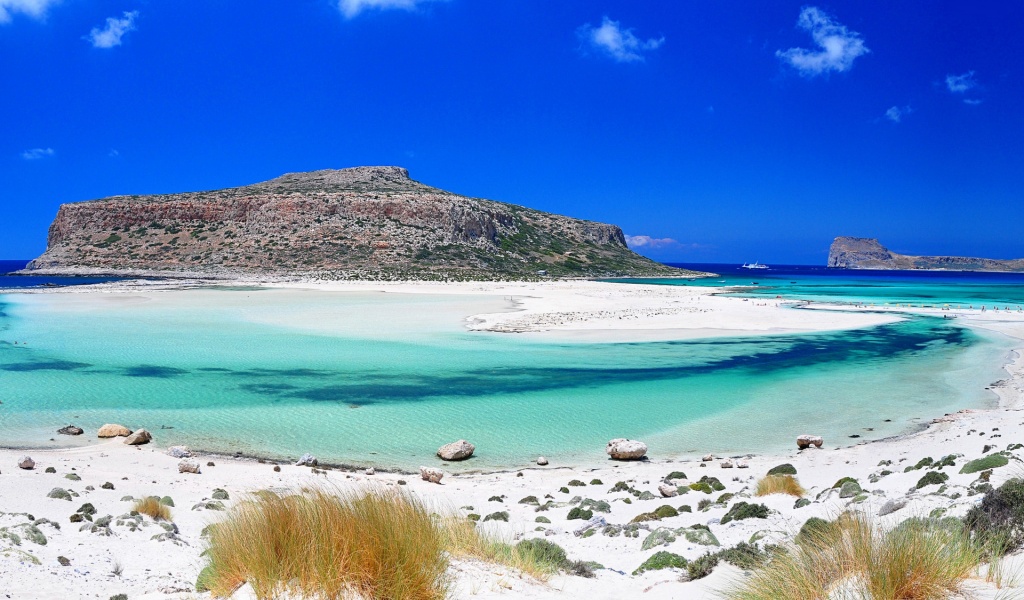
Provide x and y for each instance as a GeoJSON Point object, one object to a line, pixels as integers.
{"type": "Point", "coordinates": [377, 544]}
{"type": "Point", "coordinates": [921, 559]}
{"type": "Point", "coordinates": [537, 558]}
{"type": "Point", "coordinates": [152, 506]}
{"type": "Point", "coordinates": [779, 484]}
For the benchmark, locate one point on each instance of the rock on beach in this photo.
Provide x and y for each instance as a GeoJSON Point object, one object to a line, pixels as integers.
{"type": "Point", "coordinates": [431, 474]}
{"type": "Point", "coordinates": [179, 452]}
{"type": "Point", "coordinates": [70, 430]}
{"type": "Point", "coordinates": [307, 460]}
{"type": "Point", "coordinates": [460, 450]}
{"type": "Point", "coordinates": [623, 449]}
{"type": "Point", "coordinates": [138, 438]}
{"type": "Point", "coordinates": [188, 466]}
{"type": "Point", "coordinates": [26, 463]}
{"type": "Point", "coordinates": [113, 430]}
{"type": "Point", "coordinates": [806, 441]}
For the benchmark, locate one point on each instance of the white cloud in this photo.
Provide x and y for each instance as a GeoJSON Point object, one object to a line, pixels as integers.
{"type": "Point", "coordinates": [620, 44]}
{"type": "Point", "coordinates": [111, 35]}
{"type": "Point", "coordinates": [646, 241]}
{"type": "Point", "coordinates": [972, 101]}
{"type": "Point", "coordinates": [838, 46]}
{"type": "Point", "coordinates": [959, 84]}
{"type": "Point", "coordinates": [33, 8]}
{"type": "Point", "coordinates": [37, 153]}
{"type": "Point", "coordinates": [896, 113]}
{"type": "Point", "coordinates": [351, 8]}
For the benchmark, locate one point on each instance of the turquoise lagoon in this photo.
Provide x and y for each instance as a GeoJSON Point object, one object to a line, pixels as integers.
{"type": "Point", "coordinates": [384, 379]}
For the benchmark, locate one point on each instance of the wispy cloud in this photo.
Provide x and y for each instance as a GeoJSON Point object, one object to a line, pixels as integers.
{"type": "Point", "coordinates": [33, 8]}
{"type": "Point", "coordinates": [620, 44]}
{"type": "Point", "coordinates": [896, 113]}
{"type": "Point", "coordinates": [111, 35]}
{"type": "Point", "coordinates": [351, 8]}
{"type": "Point", "coordinates": [646, 241]}
{"type": "Point", "coordinates": [837, 48]}
{"type": "Point", "coordinates": [38, 153]}
{"type": "Point", "coordinates": [960, 84]}
{"type": "Point", "coordinates": [972, 101]}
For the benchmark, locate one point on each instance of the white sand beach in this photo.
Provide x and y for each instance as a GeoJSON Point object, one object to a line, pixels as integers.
{"type": "Point", "coordinates": [142, 563]}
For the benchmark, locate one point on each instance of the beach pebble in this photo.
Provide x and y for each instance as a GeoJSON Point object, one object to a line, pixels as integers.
{"type": "Point", "coordinates": [431, 474]}
{"type": "Point", "coordinates": [113, 430]}
{"type": "Point", "coordinates": [542, 461]}
{"type": "Point", "coordinates": [179, 452]}
{"type": "Point", "coordinates": [742, 464]}
{"type": "Point", "coordinates": [307, 460]}
{"type": "Point", "coordinates": [138, 438]}
{"type": "Point", "coordinates": [188, 466]}
{"type": "Point", "coordinates": [370, 471]}
{"type": "Point", "coordinates": [624, 449]}
{"type": "Point", "coordinates": [26, 462]}
{"type": "Point", "coordinates": [70, 430]}
{"type": "Point", "coordinates": [707, 458]}
{"type": "Point", "coordinates": [892, 506]}
{"type": "Point", "coordinates": [668, 491]}
{"type": "Point", "coordinates": [460, 450]}
{"type": "Point", "coordinates": [806, 441]}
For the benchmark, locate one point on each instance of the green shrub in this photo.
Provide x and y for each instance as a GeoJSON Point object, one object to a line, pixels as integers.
{"type": "Point", "coordinates": [544, 551]}
{"type": "Point", "coordinates": [840, 483]}
{"type": "Point", "coordinates": [530, 500]}
{"type": "Point", "coordinates": [580, 513]}
{"type": "Point", "coordinates": [661, 560]}
{"type": "Point", "coordinates": [600, 506]}
{"type": "Point", "coordinates": [744, 510]}
{"type": "Point", "coordinates": [783, 469]}
{"type": "Point", "coordinates": [702, 567]}
{"type": "Point", "coordinates": [576, 483]}
{"type": "Point", "coordinates": [596, 482]}
{"type": "Point", "coordinates": [987, 462]}
{"type": "Point", "coordinates": [685, 508]}
{"type": "Point", "coordinates": [675, 475]}
{"type": "Point", "coordinates": [932, 478]}
{"type": "Point", "coordinates": [620, 486]}
{"type": "Point", "coordinates": [745, 556]}
{"type": "Point", "coordinates": [666, 511]}
{"type": "Point", "coordinates": [814, 529]}
{"type": "Point", "coordinates": [497, 516]}
{"type": "Point", "coordinates": [924, 462]}
{"type": "Point", "coordinates": [1001, 513]}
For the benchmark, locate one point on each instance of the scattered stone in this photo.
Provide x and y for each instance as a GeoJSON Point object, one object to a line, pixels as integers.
{"type": "Point", "coordinates": [107, 486]}
{"type": "Point", "coordinates": [26, 463]}
{"type": "Point", "coordinates": [63, 561]}
{"type": "Point", "coordinates": [59, 494]}
{"type": "Point", "coordinates": [460, 450]}
{"type": "Point", "coordinates": [370, 471]}
{"type": "Point", "coordinates": [542, 461]}
{"type": "Point", "coordinates": [668, 491]}
{"type": "Point", "coordinates": [783, 469]}
{"type": "Point", "coordinates": [707, 458]}
{"type": "Point", "coordinates": [277, 468]}
{"type": "Point", "coordinates": [70, 430]}
{"type": "Point", "coordinates": [51, 470]}
{"type": "Point", "coordinates": [624, 449]}
{"type": "Point", "coordinates": [591, 524]}
{"type": "Point", "coordinates": [73, 477]}
{"type": "Point", "coordinates": [113, 430]}
{"type": "Point", "coordinates": [431, 474]}
{"type": "Point", "coordinates": [892, 506]}
{"type": "Point", "coordinates": [210, 464]}
{"type": "Point", "coordinates": [179, 452]}
{"type": "Point", "coordinates": [307, 460]}
{"type": "Point", "coordinates": [742, 464]}
{"type": "Point", "coordinates": [806, 441]}
{"type": "Point", "coordinates": [188, 466]}
{"type": "Point", "coordinates": [726, 464]}
{"type": "Point", "coordinates": [138, 438]}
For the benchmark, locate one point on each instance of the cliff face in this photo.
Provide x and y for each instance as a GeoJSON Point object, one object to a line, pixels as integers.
{"type": "Point", "coordinates": [333, 223]}
{"type": "Point", "coordinates": [868, 253]}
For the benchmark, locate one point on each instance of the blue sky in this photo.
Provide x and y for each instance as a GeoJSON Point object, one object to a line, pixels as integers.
{"type": "Point", "coordinates": [710, 131]}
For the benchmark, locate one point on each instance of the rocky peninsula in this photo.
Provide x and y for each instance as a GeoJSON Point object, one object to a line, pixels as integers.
{"type": "Point", "coordinates": [868, 253]}
{"type": "Point", "coordinates": [356, 223]}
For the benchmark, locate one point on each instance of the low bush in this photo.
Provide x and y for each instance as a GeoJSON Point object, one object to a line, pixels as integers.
{"type": "Point", "coordinates": [580, 513]}
{"type": "Point", "coordinates": [744, 510]}
{"type": "Point", "coordinates": [839, 484]}
{"type": "Point", "coordinates": [932, 478]}
{"type": "Point", "coordinates": [986, 462]}
{"type": "Point", "coordinates": [1000, 514]}
{"type": "Point", "coordinates": [699, 568]}
{"type": "Point", "coordinates": [661, 560]}
{"type": "Point", "coordinates": [783, 469]}
{"type": "Point", "coordinates": [666, 511]}
{"type": "Point", "coordinates": [779, 484]}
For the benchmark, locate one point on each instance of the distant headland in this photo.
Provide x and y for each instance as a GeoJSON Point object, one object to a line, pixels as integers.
{"type": "Point", "coordinates": [868, 253]}
{"type": "Point", "coordinates": [356, 223]}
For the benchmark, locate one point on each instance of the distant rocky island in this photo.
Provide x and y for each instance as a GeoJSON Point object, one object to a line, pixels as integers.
{"type": "Point", "coordinates": [868, 253]}
{"type": "Point", "coordinates": [356, 223]}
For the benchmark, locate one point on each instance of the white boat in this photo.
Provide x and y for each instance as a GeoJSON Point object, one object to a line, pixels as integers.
{"type": "Point", "coordinates": [754, 265]}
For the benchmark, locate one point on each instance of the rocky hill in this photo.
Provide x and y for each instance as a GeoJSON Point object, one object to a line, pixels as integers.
{"type": "Point", "coordinates": [868, 253]}
{"type": "Point", "coordinates": [364, 222]}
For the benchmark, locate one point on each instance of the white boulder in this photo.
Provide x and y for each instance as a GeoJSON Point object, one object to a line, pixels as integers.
{"type": "Point", "coordinates": [188, 466]}
{"type": "Point", "coordinates": [460, 450]}
{"type": "Point", "coordinates": [806, 441]}
{"type": "Point", "coordinates": [431, 474]}
{"type": "Point", "coordinates": [26, 463]}
{"type": "Point", "coordinates": [623, 449]}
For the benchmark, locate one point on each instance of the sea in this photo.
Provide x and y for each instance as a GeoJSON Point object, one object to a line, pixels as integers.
{"type": "Point", "coordinates": [383, 379]}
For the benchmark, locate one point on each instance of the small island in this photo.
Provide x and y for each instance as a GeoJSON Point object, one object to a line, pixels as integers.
{"type": "Point", "coordinates": [868, 253]}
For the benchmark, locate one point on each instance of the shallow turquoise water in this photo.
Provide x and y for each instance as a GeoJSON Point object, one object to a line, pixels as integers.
{"type": "Point", "coordinates": [384, 379]}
